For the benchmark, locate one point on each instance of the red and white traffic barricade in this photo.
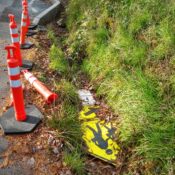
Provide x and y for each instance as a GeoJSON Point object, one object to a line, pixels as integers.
{"type": "Point", "coordinates": [15, 84]}
{"type": "Point", "coordinates": [26, 64]}
{"type": "Point", "coordinates": [15, 37]}
{"type": "Point", "coordinates": [24, 30]}
{"type": "Point", "coordinates": [28, 32]}
{"type": "Point", "coordinates": [18, 118]}
{"type": "Point", "coordinates": [30, 26]}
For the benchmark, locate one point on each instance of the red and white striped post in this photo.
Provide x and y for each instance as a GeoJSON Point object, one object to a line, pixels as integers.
{"type": "Point", "coordinates": [15, 83]}
{"type": "Point", "coordinates": [32, 27]}
{"type": "Point", "coordinates": [18, 119]}
{"type": "Point", "coordinates": [23, 26]}
{"type": "Point", "coordinates": [15, 37]}
{"type": "Point", "coordinates": [15, 41]}
{"type": "Point", "coordinates": [25, 6]}
{"type": "Point", "coordinates": [24, 30]}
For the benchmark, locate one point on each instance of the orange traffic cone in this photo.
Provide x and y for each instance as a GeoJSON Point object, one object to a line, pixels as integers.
{"type": "Point", "coordinates": [49, 96]}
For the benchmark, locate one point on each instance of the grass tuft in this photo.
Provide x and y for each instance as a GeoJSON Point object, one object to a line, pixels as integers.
{"type": "Point", "coordinates": [75, 161]}
{"type": "Point", "coordinates": [68, 92]}
{"type": "Point", "coordinates": [57, 60]}
{"type": "Point", "coordinates": [51, 36]}
{"type": "Point", "coordinates": [68, 125]}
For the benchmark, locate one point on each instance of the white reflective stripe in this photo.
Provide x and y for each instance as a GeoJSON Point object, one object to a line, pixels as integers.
{"type": "Point", "coordinates": [14, 31]}
{"type": "Point", "coordinates": [15, 39]}
{"type": "Point", "coordinates": [24, 16]}
{"type": "Point", "coordinates": [23, 23]}
{"type": "Point", "coordinates": [15, 83]}
{"type": "Point", "coordinates": [13, 71]}
{"type": "Point", "coordinates": [28, 75]}
{"type": "Point", "coordinates": [32, 79]}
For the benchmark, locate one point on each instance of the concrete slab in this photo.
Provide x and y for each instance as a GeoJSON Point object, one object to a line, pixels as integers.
{"type": "Point", "coordinates": [48, 14]}
{"type": "Point", "coordinates": [35, 8]}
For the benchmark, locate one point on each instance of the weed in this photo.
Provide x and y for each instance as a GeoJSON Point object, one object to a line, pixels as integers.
{"type": "Point", "coordinates": [66, 121]}
{"type": "Point", "coordinates": [57, 60]}
{"type": "Point", "coordinates": [75, 161]}
{"type": "Point", "coordinates": [51, 36]}
{"type": "Point", "coordinates": [42, 78]}
{"type": "Point", "coordinates": [68, 126]}
{"type": "Point", "coordinates": [68, 92]}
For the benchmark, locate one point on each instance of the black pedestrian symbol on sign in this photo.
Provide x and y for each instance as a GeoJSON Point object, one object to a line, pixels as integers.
{"type": "Point", "coordinates": [111, 132]}
{"type": "Point", "coordinates": [98, 139]}
{"type": "Point", "coordinates": [91, 111]}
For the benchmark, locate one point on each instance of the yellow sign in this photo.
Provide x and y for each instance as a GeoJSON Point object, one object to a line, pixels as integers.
{"type": "Point", "coordinates": [99, 136]}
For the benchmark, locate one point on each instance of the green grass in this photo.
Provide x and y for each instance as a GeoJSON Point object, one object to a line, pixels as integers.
{"type": "Point", "coordinates": [51, 36]}
{"type": "Point", "coordinates": [57, 60]}
{"type": "Point", "coordinates": [67, 123]}
{"type": "Point", "coordinates": [129, 51]}
{"type": "Point", "coordinates": [42, 78]}
{"type": "Point", "coordinates": [75, 162]}
{"type": "Point", "coordinates": [66, 120]}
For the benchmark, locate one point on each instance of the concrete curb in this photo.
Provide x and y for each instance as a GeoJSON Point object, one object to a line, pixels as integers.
{"type": "Point", "coordinates": [49, 14]}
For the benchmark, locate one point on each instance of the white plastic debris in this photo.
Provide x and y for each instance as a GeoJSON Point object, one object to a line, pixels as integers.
{"type": "Point", "coordinates": [55, 150]}
{"type": "Point", "coordinates": [86, 97]}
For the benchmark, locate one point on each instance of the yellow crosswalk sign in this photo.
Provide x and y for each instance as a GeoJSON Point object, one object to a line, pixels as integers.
{"type": "Point", "coordinates": [99, 136]}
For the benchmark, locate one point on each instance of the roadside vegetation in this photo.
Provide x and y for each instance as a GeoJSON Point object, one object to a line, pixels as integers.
{"type": "Point", "coordinates": [66, 119]}
{"type": "Point", "coordinates": [127, 49]}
